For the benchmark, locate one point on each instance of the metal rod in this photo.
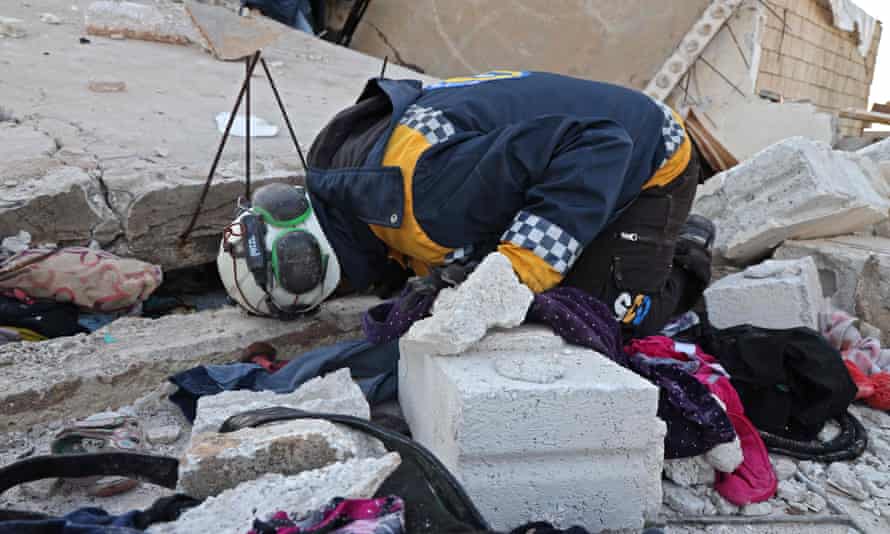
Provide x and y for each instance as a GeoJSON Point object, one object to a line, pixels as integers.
{"type": "Point", "coordinates": [219, 151]}
{"type": "Point", "coordinates": [248, 73]}
{"type": "Point", "coordinates": [383, 68]}
{"type": "Point", "coordinates": [723, 76]}
{"type": "Point", "coordinates": [290, 127]}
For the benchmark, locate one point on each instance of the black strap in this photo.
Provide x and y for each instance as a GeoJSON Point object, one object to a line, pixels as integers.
{"type": "Point", "coordinates": [159, 470]}
{"type": "Point", "coordinates": [439, 483]}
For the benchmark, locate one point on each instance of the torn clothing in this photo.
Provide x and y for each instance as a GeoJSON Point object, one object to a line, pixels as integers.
{"type": "Point", "coordinates": [493, 161]}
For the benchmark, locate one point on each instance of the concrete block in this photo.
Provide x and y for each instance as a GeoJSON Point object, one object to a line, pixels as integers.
{"type": "Point", "coordinates": [536, 428]}
{"type": "Point", "coordinates": [773, 294]}
{"type": "Point", "coordinates": [80, 375]}
{"type": "Point", "coordinates": [854, 272]}
{"type": "Point", "coordinates": [492, 296]}
{"type": "Point", "coordinates": [795, 189]}
{"type": "Point", "coordinates": [333, 393]}
{"type": "Point", "coordinates": [233, 511]}
{"type": "Point", "coordinates": [216, 462]}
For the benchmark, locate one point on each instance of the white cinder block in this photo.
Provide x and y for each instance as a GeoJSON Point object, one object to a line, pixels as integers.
{"type": "Point", "coordinates": [773, 294]}
{"type": "Point", "coordinates": [795, 189]}
{"type": "Point", "coordinates": [535, 428]}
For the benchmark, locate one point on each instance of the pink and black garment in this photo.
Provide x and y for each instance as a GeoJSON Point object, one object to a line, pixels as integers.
{"type": "Point", "coordinates": [754, 480]}
{"type": "Point", "coordinates": [341, 516]}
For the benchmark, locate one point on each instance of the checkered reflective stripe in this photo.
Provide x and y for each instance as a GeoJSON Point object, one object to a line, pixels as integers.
{"type": "Point", "coordinates": [458, 254]}
{"type": "Point", "coordinates": [671, 131]}
{"type": "Point", "coordinates": [547, 240]}
{"type": "Point", "coordinates": [429, 122]}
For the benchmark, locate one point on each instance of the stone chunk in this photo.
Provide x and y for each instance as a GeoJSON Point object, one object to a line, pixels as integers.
{"type": "Point", "coordinates": [683, 500]}
{"type": "Point", "coordinates": [216, 462]}
{"type": "Point", "coordinates": [233, 511]}
{"type": "Point", "coordinates": [795, 189]}
{"type": "Point", "coordinates": [842, 479]}
{"type": "Point", "coordinates": [774, 294]}
{"type": "Point", "coordinates": [854, 272]}
{"type": "Point", "coordinates": [529, 439]}
{"type": "Point", "coordinates": [686, 472]}
{"type": "Point", "coordinates": [333, 393]}
{"type": "Point", "coordinates": [492, 296]}
{"type": "Point", "coordinates": [785, 468]}
{"type": "Point", "coordinates": [230, 36]}
{"type": "Point", "coordinates": [164, 435]}
{"type": "Point", "coordinates": [163, 24]}
{"type": "Point", "coordinates": [10, 27]}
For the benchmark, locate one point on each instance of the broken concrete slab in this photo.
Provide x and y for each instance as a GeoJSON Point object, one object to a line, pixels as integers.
{"type": "Point", "coordinates": [233, 511]}
{"type": "Point", "coordinates": [217, 462]}
{"type": "Point", "coordinates": [773, 294]}
{"type": "Point", "coordinates": [162, 23]}
{"type": "Point", "coordinates": [153, 202]}
{"type": "Point", "coordinates": [77, 376]}
{"type": "Point", "coordinates": [597, 40]}
{"type": "Point", "coordinates": [62, 205]}
{"type": "Point", "coordinates": [747, 126]}
{"type": "Point", "coordinates": [854, 272]}
{"type": "Point", "coordinates": [333, 393]}
{"type": "Point", "coordinates": [115, 134]}
{"type": "Point", "coordinates": [795, 189]}
{"type": "Point", "coordinates": [533, 427]}
{"type": "Point", "coordinates": [492, 296]}
{"type": "Point", "coordinates": [877, 152]}
{"type": "Point", "coordinates": [231, 36]}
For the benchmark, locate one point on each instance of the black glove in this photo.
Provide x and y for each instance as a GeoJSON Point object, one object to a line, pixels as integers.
{"type": "Point", "coordinates": [451, 275]}
{"type": "Point", "coordinates": [392, 280]}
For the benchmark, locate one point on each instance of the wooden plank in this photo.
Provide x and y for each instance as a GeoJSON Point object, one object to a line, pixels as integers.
{"type": "Point", "coordinates": [717, 155]}
{"type": "Point", "coordinates": [864, 115]}
{"type": "Point", "coordinates": [881, 108]}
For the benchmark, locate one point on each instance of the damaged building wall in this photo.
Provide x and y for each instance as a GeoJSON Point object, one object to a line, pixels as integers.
{"type": "Point", "coordinates": [598, 40]}
{"type": "Point", "coordinates": [805, 57]}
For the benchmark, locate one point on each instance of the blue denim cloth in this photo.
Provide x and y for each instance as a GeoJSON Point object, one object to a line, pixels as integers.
{"type": "Point", "coordinates": [82, 521]}
{"type": "Point", "coordinates": [373, 367]}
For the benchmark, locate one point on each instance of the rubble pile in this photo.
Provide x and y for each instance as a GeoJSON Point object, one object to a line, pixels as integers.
{"type": "Point", "coordinates": [563, 421]}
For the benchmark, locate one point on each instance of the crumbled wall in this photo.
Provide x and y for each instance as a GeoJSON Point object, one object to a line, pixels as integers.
{"type": "Point", "coordinates": [806, 57]}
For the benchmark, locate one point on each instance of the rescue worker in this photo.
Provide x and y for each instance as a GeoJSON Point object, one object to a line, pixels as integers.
{"type": "Point", "coordinates": [577, 182]}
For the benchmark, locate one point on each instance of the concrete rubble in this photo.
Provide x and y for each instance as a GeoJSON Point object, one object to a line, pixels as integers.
{"type": "Point", "coordinates": [773, 294]}
{"type": "Point", "coordinates": [532, 426]}
{"type": "Point", "coordinates": [216, 462]}
{"type": "Point", "coordinates": [492, 296]}
{"type": "Point", "coordinates": [81, 166]}
{"type": "Point", "coordinates": [332, 393]}
{"type": "Point", "coordinates": [79, 375]}
{"type": "Point", "coordinates": [823, 193]}
{"type": "Point", "coordinates": [116, 156]}
{"type": "Point", "coordinates": [233, 511]}
{"type": "Point", "coordinates": [854, 272]}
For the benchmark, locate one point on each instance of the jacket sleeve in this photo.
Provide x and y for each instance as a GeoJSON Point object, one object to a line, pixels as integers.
{"type": "Point", "coordinates": [574, 172]}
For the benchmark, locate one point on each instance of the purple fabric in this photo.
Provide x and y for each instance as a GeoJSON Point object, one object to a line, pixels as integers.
{"type": "Point", "coordinates": [695, 421]}
{"type": "Point", "coordinates": [387, 321]}
{"type": "Point", "coordinates": [580, 319]}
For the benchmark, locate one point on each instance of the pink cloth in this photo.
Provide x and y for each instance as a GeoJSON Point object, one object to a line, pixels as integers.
{"type": "Point", "coordinates": [755, 480]}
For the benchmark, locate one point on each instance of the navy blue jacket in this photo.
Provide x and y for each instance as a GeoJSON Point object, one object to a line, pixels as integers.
{"type": "Point", "coordinates": [536, 163]}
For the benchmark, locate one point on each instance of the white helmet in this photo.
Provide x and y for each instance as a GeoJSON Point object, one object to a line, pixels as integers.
{"type": "Point", "coordinates": [274, 259]}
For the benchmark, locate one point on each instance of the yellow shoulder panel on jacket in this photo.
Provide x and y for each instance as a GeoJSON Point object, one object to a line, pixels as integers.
{"type": "Point", "coordinates": [403, 150]}
{"type": "Point", "coordinates": [532, 270]}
